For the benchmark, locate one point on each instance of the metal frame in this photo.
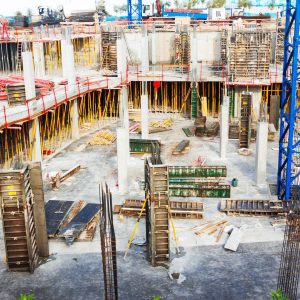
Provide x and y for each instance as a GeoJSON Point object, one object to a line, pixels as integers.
{"type": "Point", "coordinates": [134, 9]}
{"type": "Point", "coordinates": [289, 140]}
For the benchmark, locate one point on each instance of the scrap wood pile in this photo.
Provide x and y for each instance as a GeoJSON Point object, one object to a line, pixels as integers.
{"type": "Point", "coordinates": [202, 128]}
{"type": "Point", "coordinates": [72, 220]}
{"type": "Point", "coordinates": [103, 137]}
{"type": "Point", "coordinates": [165, 123]}
{"type": "Point", "coordinates": [56, 177]}
{"type": "Point", "coordinates": [178, 209]}
{"type": "Point", "coordinates": [215, 228]}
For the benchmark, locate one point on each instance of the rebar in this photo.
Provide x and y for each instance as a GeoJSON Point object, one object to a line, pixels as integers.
{"type": "Point", "coordinates": [289, 271]}
{"type": "Point", "coordinates": [108, 244]}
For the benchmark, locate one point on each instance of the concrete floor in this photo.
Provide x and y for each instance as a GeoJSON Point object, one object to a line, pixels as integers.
{"type": "Point", "coordinates": [75, 272]}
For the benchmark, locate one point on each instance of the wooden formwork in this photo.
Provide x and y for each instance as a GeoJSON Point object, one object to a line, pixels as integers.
{"type": "Point", "coordinates": [245, 122]}
{"type": "Point", "coordinates": [18, 220]}
{"type": "Point", "coordinates": [157, 213]}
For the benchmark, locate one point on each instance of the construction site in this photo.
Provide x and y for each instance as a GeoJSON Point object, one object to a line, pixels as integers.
{"type": "Point", "coordinates": [152, 158]}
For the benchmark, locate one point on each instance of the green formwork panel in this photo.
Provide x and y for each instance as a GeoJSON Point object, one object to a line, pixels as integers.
{"type": "Point", "coordinates": [203, 192]}
{"type": "Point", "coordinates": [207, 171]}
{"type": "Point", "coordinates": [194, 103]}
{"type": "Point", "coordinates": [193, 182]}
{"type": "Point", "coordinates": [142, 146]}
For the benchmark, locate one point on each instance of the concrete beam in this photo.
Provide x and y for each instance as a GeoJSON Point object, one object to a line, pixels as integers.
{"type": "Point", "coordinates": [122, 160]}
{"type": "Point", "coordinates": [224, 126]}
{"type": "Point", "coordinates": [261, 153]}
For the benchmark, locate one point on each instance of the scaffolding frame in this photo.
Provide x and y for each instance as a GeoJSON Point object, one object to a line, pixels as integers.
{"type": "Point", "coordinates": [289, 139]}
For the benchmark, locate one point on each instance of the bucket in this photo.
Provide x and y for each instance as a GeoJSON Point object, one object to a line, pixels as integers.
{"type": "Point", "coordinates": [234, 182]}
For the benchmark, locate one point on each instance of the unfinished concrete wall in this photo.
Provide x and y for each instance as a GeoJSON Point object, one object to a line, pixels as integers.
{"type": "Point", "coordinates": [209, 46]}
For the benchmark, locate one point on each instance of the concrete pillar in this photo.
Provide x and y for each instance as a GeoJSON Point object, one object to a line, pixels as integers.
{"type": "Point", "coordinates": [261, 152]}
{"type": "Point", "coordinates": [194, 53]}
{"type": "Point", "coordinates": [256, 99]}
{"type": "Point", "coordinates": [121, 56]}
{"type": "Point", "coordinates": [39, 59]}
{"type": "Point", "coordinates": [28, 72]}
{"type": "Point", "coordinates": [34, 130]}
{"type": "Point", "coordinates": [125, 117]}
{"type": "Point", "coordinates": [67, 53]}
{"type": "Point", "coordinates": [224, 125]}
{"type": "Point", "coordinates": [122, 161]}
{"type": "Point", "coordinates": [144, 116]}
{"type": "Point", "coordinates": [63, 58]}
{"type": "Point", "coordinates": [154, 46]}
{"type": "Point", "coordinates": [144, 51]}
{"type": "Point", "coordinates": [74, 119]}
{"type": "Point", "coordinates": [35, 140]}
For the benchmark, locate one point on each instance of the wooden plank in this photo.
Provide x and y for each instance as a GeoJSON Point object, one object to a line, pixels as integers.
{"type": "Point", "coordinates": [56, 211]}
{"type": "Point", "coordinates": [73, 229]}
{"type": "Point", "coordinates": [36, 182]}
{"type": "Point", "coordinates": [69, 173]}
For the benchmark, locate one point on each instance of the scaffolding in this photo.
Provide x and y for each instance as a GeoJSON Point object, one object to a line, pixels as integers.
{"type": "Point", "coordinates": [289, 138]}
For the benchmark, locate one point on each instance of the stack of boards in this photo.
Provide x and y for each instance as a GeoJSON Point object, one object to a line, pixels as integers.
{"type": "Point", "coordinates": [72, 220]}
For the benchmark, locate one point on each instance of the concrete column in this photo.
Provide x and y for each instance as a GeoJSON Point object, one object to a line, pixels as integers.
{"type": "Point", "coordinates": [121, 56]}
{"type": "Point", "coordinates": [34, 131]}
{"type": "Point", "coordinates": [261, 152]}
{"type": "Point", "coordinates": [153, 46]}
{"type": "Point", "coordinates": [63, 58]}
{"type": "Point", "coordinates": [122, 160]}
{"type": "Point", "coordinates": [144, 51]}
{"type": "Point", "coordinates": [256, 99]}
{"type": "Point", "coordinates": [125, 117]}
{"type": "Point", "coordinates": [194, 53]}
{"type": "Point", "coordinates": [39, 59]}
{"type": "Point", "coordinates": [35, 140]}
{"type": "Point", "coordinates": [144, 116]}
{"type": "Point", "coordinates": [74, 119]}
{"type": "Point", "coordinates": [28, 72]}
{"type": "Point", "coordinates": [67, 52]}
{"type": "Point", "coordinates": [224, 125]}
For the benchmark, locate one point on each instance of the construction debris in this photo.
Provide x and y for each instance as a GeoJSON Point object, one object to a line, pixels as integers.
{"type": "Point", "coordinates": [166, 123]}
{"type": "Point", "coordinates": [103, 137]}
{"type": "Point", "coordinates": [234, 239]}
{"type": "Point", "coordinates": [182, 147]}
{"type": "Point", "coordinates": [56, 178]}
{"type": "Point", "coordinates": [211, 227]}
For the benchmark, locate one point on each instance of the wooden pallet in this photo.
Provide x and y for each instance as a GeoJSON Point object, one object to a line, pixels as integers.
{"type": "Point", "coordinates": [255, 207]}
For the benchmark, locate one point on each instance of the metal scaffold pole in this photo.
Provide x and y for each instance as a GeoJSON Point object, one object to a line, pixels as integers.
{"type": "Point", "coordinates": [289, 140]}
{"type": "Point", "coordinates": [134, 9]}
